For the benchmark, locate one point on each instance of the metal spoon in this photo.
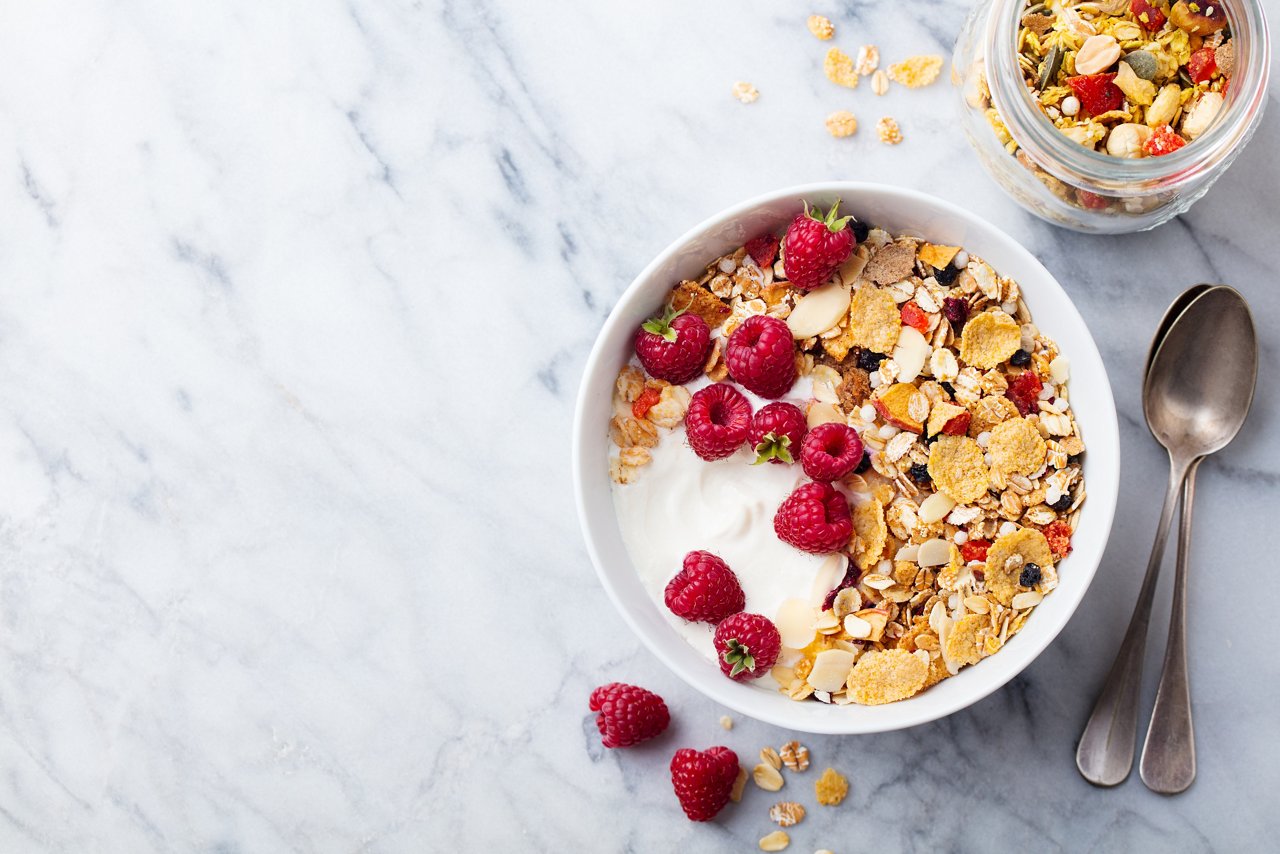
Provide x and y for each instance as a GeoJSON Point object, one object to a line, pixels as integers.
{"type": "Point", "coordinates": [1196, 394]}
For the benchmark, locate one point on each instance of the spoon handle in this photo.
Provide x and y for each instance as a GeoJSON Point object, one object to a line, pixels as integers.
{"type": "Point", "coordinates": [1105, 754]}
{"type": "Point", "coordinates": [1168, 763]}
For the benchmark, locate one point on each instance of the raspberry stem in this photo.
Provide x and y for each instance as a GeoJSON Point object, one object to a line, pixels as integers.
{"type": "Point", "coordinates": [773, 447]}
{"type": "Point", "coordinates": [662, 325]}
{"type": "Point", "coordinates": [828, 219]}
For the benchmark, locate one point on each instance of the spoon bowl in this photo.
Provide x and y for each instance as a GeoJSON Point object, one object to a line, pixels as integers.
{"type": "Point", "coordinates": [1171, 315]}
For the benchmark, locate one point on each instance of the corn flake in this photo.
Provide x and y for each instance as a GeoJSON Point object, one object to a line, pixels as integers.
{"type": "Point", "coordinates": [691, 297]}
{"type": "Point", "coordinates": [958, 468]}
{"type": "Point", "coordinates": [916, 71]}
{"type": "Point", "coordinates": [886, 676]}
{"type": "Point", "coordinates": [1006, 557]}
{"type": "Point", "coordinates": [839, 68]}
{"type": "Point", "coordinates": [821, 27]}
{"type": "Point", "coordinates": [989, 339]}
{"type": "Point", "coordinates": [869, 527]}
{"type": "Point", "coordinates": [964, 643]}
{"type": "Point", "coordinates": [874, 319]}
{"type": "Point", "coordinates": [842, 123]}
{"type": "Point", "coordinates": [1016, 447]}
{"type": "Point", "coordinates": [832, 787]}
{"type": "Point", "coordinates": [989, 411]}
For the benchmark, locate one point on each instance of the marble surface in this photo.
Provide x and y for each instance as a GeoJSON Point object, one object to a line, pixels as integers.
{"type": "Point", "coordinates": [295, 297]}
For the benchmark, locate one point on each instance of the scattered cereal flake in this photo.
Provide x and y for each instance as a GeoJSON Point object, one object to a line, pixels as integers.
{"type": "Point", "coordinates": [869, 527]}
{"type": "Point", "coordinates": [958, 468]}
{"type": "Point", "coordinates": [1006, 557]}
{"type": "Point", "coordinates": [1016, 447]}
{"type": "Point", "coordinates": [964, 641]}
{"type": "Point", "coordinates": [821, 27]}
{"type": "Point", "coordinates": [916, 71]}
{"type": "Point", "coordinates": [767, 777]}
{"type": "Point", "coordinates": [745, 92]}
{"type": "Point", "coordinates": [832, 787]}
{"type": "Point", "coordinates": [989, 339]}
{"type": "Point", "coordinates": [776, 841]}
{"type": "Point", "coordinates": [726, 722]}
{"type": "Point", "coordinates": [888, 131]}
{"type": "Point", "coordinates": [691, 297]}
{"type": "Point", "coordinates": [795, 755]}
{"type": "Point", "coordinates": [880, 82]}
{"type": "Point", "coordinates": [937, 255]}
{"type": "Point", "coordinates": [842, 123]}
{"type": "Point", "coordinates": [868, 59]}
{"type": "Point", "coordinates": [786, 813]}
{"type": "Point", "coordinates": [739, 785]}
{"type": "Point", "coordinates": [886, 676]}
{"type": "Point", "coordinates": [874, 319]}
{"type": "Point", "coordinates": [839, 68]}
{"type": "Point", "coordinates": [891, 263]}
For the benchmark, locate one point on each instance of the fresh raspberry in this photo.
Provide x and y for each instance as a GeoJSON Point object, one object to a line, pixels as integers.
{"type": "Point", "coordinates": [830, 451]}
{"type": "Point", "coordinates": [703, 780]}
{"type": "Point", "coordinates": [1059, 536]}
{"type": "Point", "coordinates": [1024, 390]}
{"type": "Point", "coordinates": [914, 316]}
{"type": "Point", "coordinates": [717, 421]}
{"type": "Point", "coordinates": [705, 589]}
{"type": "Point", "coordinates": [776, 430]}
{"type": "Point", "coordinates": [640, 408]}
{"type": "Point", "coordinates": [814, 518]}
{"type": "Point", "coordinates": [628, 714]}
{"type": "Point", "coordinates": [1149, 16]}
{"type": "Point", "coordinates": [955, 310]}
{"type": "Point", "coordinates": [973, 550]}
{"type": "Point", "coordinates": [747, 646]}
{"type": "Point", "coordinates": [1202, 65]}
{"type": "Point", "coordinates": [673, 347]}
{"type": "Point", "coordinates": [763, 250]}
{"type": "Point", "coordinates": [1164, 140]}
{"type": "Point", "coordinates": [1098, 93]}
{"type": "Point", "coordinates": [815, 246]}
{"type": "Point", "coordinates": [761, 355]}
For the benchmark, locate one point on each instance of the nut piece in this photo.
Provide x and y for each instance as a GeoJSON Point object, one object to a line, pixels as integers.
{"type": "Point", "coordinates": [776, 841]}
{"type": "Point", "coordinates": [1126, 140]}
{"type": "Point", "coordinates": [1165, 106]}
{"type": "Point", "coordinates": [786, 813]}
{"type": "Point", "coordinates": [767, 777]}
{"type": "Point", "coordinates": [1199, 118]}
{"type": "Point", "coordinates": [888, 131]}
{"type": "Point", "coordinates": [745, 92]}
{"type": "Point", "coordinates": [726, 722]}
{"type": "Point", "coordinates": [1097, 54]}
{"type": "Point", "coordinates": [795, 756]}
{"type": "Point", "coordinates": [821, 27]}
{"type": "Point", "coordinates": [831, 787]}
{"type": "Point", "coordinates": [842, 123]}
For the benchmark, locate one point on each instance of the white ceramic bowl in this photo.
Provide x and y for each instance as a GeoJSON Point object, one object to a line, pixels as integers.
{"type": "Point", "coordinates": [898, 211]}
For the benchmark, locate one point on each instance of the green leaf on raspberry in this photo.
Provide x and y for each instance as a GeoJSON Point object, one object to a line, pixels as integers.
{"type": "Point", "coordinates": [739, 656]}
{"type": "Point", "coordinates": [662, 325]}
{"type": "Point", "coordinates": [773, 447]}
{"type": "Point", "coordinates": [829, 219]}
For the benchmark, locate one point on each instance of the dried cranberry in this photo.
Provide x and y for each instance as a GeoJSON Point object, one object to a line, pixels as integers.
{"type": "Point", "coordinates": [1024, 390]}
{"type": "Point", "coordinates": [955, 310]}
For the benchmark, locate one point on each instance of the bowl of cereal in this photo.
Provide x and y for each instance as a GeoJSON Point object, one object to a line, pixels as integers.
{"type": "Point", "coordinates": [831, 451]}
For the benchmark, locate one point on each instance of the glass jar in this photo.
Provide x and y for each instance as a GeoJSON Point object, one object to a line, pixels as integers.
{"type": "Point", "coordinates": [1069, 184]}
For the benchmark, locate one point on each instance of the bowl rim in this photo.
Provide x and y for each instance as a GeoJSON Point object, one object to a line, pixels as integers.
{"type": "Point", "coordinates": [1103, 431]}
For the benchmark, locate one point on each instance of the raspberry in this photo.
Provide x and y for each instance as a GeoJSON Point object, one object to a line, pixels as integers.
{"type": "Point", "coordinates": [1059, 536]}
{"type": "Point", "coordinates": [814, 518]}
{"type": "Point", "coordinates": [717, 421]}
{"type": "Point", "coordinates": [628, 714]}
{"type": "Point", "coordinates": [816, 246]}
{"type": "Point", "coordinates": [1098, 93]}
{"type": "Point", "coordinates": [705, 590]}
{"type": "Point", "coordinates": [1164, 140]}
{"type": "Point", "coordinates": [763, 249]}
{"type": "Point", "coordinates": [1202, 65]}
{"type": "Point", "coordinates": [830, 451]}
{"type": "Point", "coordinates": [747, 645]}
{"type": "Point", "coordinates": [775, 430]}
{"type": "Point", "coordinates": [645, 402]}
{"type": "Point", "coordinates": [1149, 16]}
{"type": "Point", "coordinates": [1024, 390]}
{"type": "Point", "coordinates": [956, 311]}
{"type": "Point", "coordinates": [761, 355]}
{"type": "Point", "coordinates": [914, 316]}
{"type": "Point", "coordinates": [974, 550]}
{"type": "Point", "coordinates": [703, 780]}
{"type": "Point", "coordinates": [673, 347]}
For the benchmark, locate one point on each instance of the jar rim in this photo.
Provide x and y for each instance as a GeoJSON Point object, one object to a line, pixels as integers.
{"type": "Point", "coordinates": [1068, 160]}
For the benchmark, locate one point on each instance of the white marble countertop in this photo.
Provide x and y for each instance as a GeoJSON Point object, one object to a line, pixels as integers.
{"type": "Point", "coordinates": [295, 300]}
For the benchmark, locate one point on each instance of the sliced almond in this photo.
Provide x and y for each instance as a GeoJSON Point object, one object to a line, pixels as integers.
{"type": "Point", "coordinates": [935, 508]}
{"type": "Point", "coordinates": [911, 352]}
{"type": "Point", "coordinates": [846, 602]}
{"type": "Point", "coordinates": [819, 310]}
{"type": "Point", "coordinates": [1026, 600]}
{"type": "Point", "coordinates": [1060, 369]}
{"type": "Point", "coordinates": [830, 669]}
{"type": "Point", "coordinates": [934, 553]}
{"type": "Point", "coordinates": [850, 270]}
{"type": "Point", "coordinates": [823, 413]}
{"type": "Point", "coordinates": [878, 620]}
{"type": "Point", "coordinates": [857, 628]}
{"type": "Point", "coordinates": [794, 619]}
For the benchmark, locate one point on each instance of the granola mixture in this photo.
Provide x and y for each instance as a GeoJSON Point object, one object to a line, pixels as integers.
{"type": "Point", "coordinates": [1131, 78]}
{"type": "Point", "coordinates": [971, 486]}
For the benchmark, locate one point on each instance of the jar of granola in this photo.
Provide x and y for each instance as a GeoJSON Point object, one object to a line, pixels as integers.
{"type": "Point", "coordinates": [1111, 116]}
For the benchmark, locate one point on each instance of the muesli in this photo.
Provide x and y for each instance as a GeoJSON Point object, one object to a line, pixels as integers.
{"type": "Point", "coordinates": [917, 465]}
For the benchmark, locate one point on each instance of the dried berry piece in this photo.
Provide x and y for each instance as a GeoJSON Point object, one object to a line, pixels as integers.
{"type": "Point", "coordinates": [1024, 390]}
{"type": "Point", "coordinates": [1020, 359]}
{"type": "Point", "coordinates": [869, 360]}
{"type": "Point", "coordinates": [914, 316]}
{"type": "Point", "coordinates": [1030, 575]}
{"type": "Point", "coordinates": [763, 249]}
{"type": "Point", "coordinates": [645, 402]}
{"type": "Point", "coordinates": [920, 473]}
{"type": "Point", "coordinates": [1059, 536]}
{"type": "Point", "coordinates": [1165, 140]}
{"type": "Point", "coordinates": [1098, 93]}
{"type": "Point", "coordinates": [955, 310]}
{"type": "Point", "coordinates": [1202, 65]}
{"type": "Point", "coordinates": [865, 464]}
{"type": "Point", "coordinates": [975, 550]}
{"type": "Point", "coordinates": [1063, 502]}
{"type": "Point", "coordinates": [1149, 16]}
{"type": "Point", "coordinates": [947, 275]}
